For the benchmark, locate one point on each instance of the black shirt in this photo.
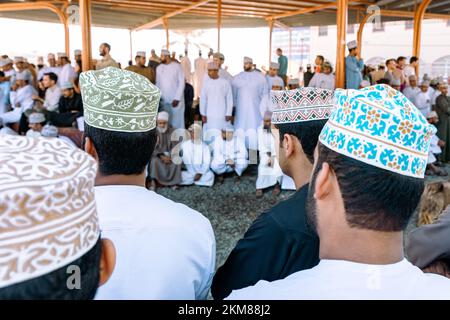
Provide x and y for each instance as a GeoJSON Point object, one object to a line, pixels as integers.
{"type": "Point", "coordinates": [307, 77]}
{"type": "Point", "coordinates": [277, 244]}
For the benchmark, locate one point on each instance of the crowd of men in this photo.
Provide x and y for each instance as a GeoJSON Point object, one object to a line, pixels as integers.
{"type": "Point", "coordinates": [356, 158]}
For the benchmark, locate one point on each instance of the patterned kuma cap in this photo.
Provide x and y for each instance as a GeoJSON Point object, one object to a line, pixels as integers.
{"type": "Point", "coordinates": [48, 217]}
{"type": "Point", "coordinates": [119, 100]}
{"type": "Point", "coordinates": [300, 105]}
{"type": "Point", "coordinates": [379, 126]}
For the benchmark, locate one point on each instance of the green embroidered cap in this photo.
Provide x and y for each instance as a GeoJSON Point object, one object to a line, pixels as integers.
{"type": "Point", "coordinates": [119, 100]}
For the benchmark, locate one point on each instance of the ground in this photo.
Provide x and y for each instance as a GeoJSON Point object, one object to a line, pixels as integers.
{"type": "Point", "coordinates": [232, 208]}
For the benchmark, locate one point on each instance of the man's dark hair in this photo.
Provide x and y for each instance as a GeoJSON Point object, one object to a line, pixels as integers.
{"type": "Point", "coordinates": [321, 57]}
{"type": "Point", "coordinates": [52, 76]}
{"type": "Point", "coordinates": [2, 74]}
{"type": "Point", "coordinates": [413, 59]}
{"type": "Point", "coordinates": [306, 132]}
{"type": "Point", "coordinates": [122, 152]}
{"type": "Point", "coordinates": [53, 285]}
{"type": "Point", "coordinates": [384, 81]}
{"type": "Point", "coordinates": [374, 198]}
{"type": "Point", "coordinates": [388, 61]}
{"type": "Point", "coordinates": [106, 45]}
{"type": "Point", "coordinates": [279, 49]}
{"type": "Point", "coordinates": [401, 58]}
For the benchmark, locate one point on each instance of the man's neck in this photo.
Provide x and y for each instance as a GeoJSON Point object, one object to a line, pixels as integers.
{"type": "Point", "coordinates": [118, 179]}
{"type": "Point", "coordinates": [301, 175]}
{"type": "Point", "coordinates": [371, 247]}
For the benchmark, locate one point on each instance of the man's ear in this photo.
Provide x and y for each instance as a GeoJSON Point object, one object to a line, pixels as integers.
{"type": "Point", "coordinates": [107, 261]}
{"type": "Point", "coordinates": [323, 184]}
{"type": "Point", "coordinates": [90, 148]}
{"type": "Point", "coordinates": [291, 144]}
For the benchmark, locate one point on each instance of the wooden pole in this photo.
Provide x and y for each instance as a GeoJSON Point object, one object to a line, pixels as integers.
{"type": "Point", "coordinates": [131, 46]}
{"type": "Point", "coordinates": [166, 27]}
{"type": "Point", "coordinates": [271, 22]}
{"type": "Point", "coordinates": [85, 24]}
{"type": "Point", "coordinates": [219, 22]}
{"type": "Point", "coordinates": [418, 18]}
{"type": "Point", "coordinates": [66, 36]}
{"type": "Point", "coordinates": [290, 50]}
{"type": "Point", "coordinates": [342, 12]}
{"type": "Point", "coordinates": [360, 31]}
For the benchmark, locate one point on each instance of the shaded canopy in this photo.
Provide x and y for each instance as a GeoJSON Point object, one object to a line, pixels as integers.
{"type": "Point", "coordinates": [235, 13]}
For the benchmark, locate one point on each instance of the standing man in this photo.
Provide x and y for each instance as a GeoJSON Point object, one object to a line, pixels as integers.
{"type": "Point", "coordinates": [354, 66]}
{"type": "Point", "coordinates": [280, 242]}
{"type": "Point", "coordinates": [170, 80]}
{"type": "Point", "coordinates": [140, 67]}
{"type": "Point", "coordinates": [216, 103]}
{"type": "Point", "coordinates": [443, 111]}
{"type": "Point", "coordinates": [366, 184]}
{"type": "Point", "coordinates": [319, 63]}
{"type": "Point", "coordinates": [423, 99]}
{"type": "Point", "coordinates": [52, 67]}
{"type": "Point", "coordinates": [283, 65]}
{"type": "Point", "coordinates": [272, 75]}
{"type": "Point", "coordinates": [164, 250]}
{"type": "Point", "coordinates": [410, 69]}
{"type": "Point", "coordinates": [154, 60]}
{"type": "Point", "coordinates": [107, 60]}
{"type": "Point", "coordinates": [219, 58]}
{"type": "Point", "coordinates": [249, 87]}
{"type": "Point", "coordinates": [67, 73]}
{"type": "Point", "coordinates": [186, 66]}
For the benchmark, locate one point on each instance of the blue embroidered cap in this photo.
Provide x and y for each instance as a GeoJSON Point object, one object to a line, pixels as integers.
{"type": "Point", "coordinates": [381, 127]}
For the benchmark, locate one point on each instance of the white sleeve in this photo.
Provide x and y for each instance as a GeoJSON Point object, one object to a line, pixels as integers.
{"type": "Point", "coordinates": [229, 99]}
{"type": "Point", "coordinates": [203, 100]}
{"type": "Point", "coordinates": [179, 95]}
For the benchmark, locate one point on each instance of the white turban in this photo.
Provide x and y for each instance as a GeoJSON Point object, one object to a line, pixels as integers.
{"type": "Point", "coordinates": [163, 116]}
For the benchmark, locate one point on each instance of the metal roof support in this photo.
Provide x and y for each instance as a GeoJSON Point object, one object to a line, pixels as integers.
{"type": "Point", "coordinates": [342, 13]}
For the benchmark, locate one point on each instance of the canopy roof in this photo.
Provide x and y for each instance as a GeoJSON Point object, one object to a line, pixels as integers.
{"type": "Point", "coordinates": [235, 13]}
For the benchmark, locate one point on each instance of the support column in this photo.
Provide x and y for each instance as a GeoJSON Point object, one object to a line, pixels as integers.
{"type": "Point", "coordinates": [131, 46]}
{"type": "Point", "coordinates": [342, 12]}
{"type": "Point", "coordinates": [219, 22]}
{"type": "Point", "coordinates": [271, 22]}
{"type": "Point", "coordinates": [166, 27]}
{"type": "Point", "coordinates": [66, 35]}
{"type": "Point", "coordinates": [290, 51]}
{"type": "Point", "coordinates": [418, 18]}
{"type": "Point", "coordinates": [85, 24]}
{"type": "Point", "coordinates": [360, 31]}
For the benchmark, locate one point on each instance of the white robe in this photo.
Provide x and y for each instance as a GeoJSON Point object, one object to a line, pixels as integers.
{"type": "Point", "coordinates": [339, 279]}
{"type": "Point", "coordinates": [248, 90]}
{"type": "Point", "coordinates": [224, 74]}
{"type": "Point", "coordinates": [67, 74]}
{"type": "Point", "coordinates": [323, 81]}
{"type": "Point", "coordinates": [197, 159]}
{"type": "Point", "coordinates": [411, 93]}
{"type": "Point", "coordinates": [225, 150]}
{"type": "Point", "coordinates": [216, 102]}
{"type": "Point", "coordinates": [170, 80]}
{"type": "Point", "coordinates": [200, 70]}
{"type": "Point", "coordinates": [267, 176]}
{"type": "Point", "coordinates": [423, 102]}
{"type": "Point", "coordinates": [164, 250]}
{"type": "Point", "coordinates": [266, 105]}
{"type": "Point", "coordinates": [187, 67]}
{"type": "Point", "coordinates": [434, 149]}
{"type": "Point", "coordinates": [21, 100]}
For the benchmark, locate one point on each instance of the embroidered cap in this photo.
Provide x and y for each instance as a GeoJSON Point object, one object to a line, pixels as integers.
{"type": "Point", "coordinates": [379, 126]}
{"type": "Point", "coordinates": [303, 104]}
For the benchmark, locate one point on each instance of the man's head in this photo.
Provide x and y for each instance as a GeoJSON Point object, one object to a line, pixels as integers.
{"type": "Point", "coordinates": [115, 133]}
{"type": "Point", "coordinates": [368, 182]}
{"type": "Point", "coordinates": [296, 138]}
{"type": "Point", "coordinates": [273, 70]}
{"type": "Point", "coordinates": [412, 81]}
{"type": "Point", "coordinates": [49, 79]}
{"type": "Point", "coordinates": [396, 83]}
{"type": "Point", "coordinates": [165, 56]}
{"type": "Point", "coordinates": [162, 122]}
{"type": "Point", "coordinates": [77, 54]}
{"type": "Point", "coordinates": [228, 132]}
{"type": "Point", "coordinates": [279, 52]}
{"type": "Point", "coordinates": [414, 61]}
{"type": "Point", "coordinates": [51, 60]}
{"type": "Point", "coordinates": [401, 62]}
{"type": "Point", "coordinates": [390, 64]}
{"type": "Point", "coordinates": [443, 87]}
{"type": "Point", "coordinates": [67, 90]}
{"type": "Point", "coordinates": [36, 121]}
{"type": "Point", "coordinates": [248, 64]}
{"type": "Point", "coordinates": [319, 60]}
{"type": "Point", "coordinates": [267, 121]}
{"type": "Point", "coordinates": [104, 49]}
{"type": "Point", "coordinates": [23, 78]}
{"type": "Point", "coordinates": [424, 86]}
{"type": "Point", "coordinates": [195, 133]}
{"type": "Point", "coordinates": [277, 84]}
{"type": "Point", "coordinates": [327, 68]}
{"type": "Point", "coordinates": [63, 59]}
{"type": "Point", "coordinates": [140, 59]}
{"type": "Point", "coordinates": [213, 70]}
{"type": "Point", "coordinates": [308, 68]}
{"type": "Point", "coordinates": [293, 84]}
{"type": "Point", "coordinates": [19, 63]}
{"type": "Point", "coordinates": [219, 58]}
{"type": "Point", "coordinates": [353, 48]}
{"type": "Point", "coordinates": [59, 230]}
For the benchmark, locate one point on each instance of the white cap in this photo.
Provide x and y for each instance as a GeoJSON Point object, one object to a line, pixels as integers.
{"type": "Point", "coordinates": [165, 52]}
{"type": "Point", "coordinates": [274, 65]}
{"type": "Point", "coordinates": [395, 82]}
{"type": "Point", "coordinates": [49, 131]}
{"type": "Point", "coordinates": [24, 75]}
{"type": "Point", "coordinates": [18, 59]}
{"type": "Point", "coordinates": [77, 52]}
{"type": "Point", "coordinates": [163, 116]}
{"type": "Point", "coordinates": [293, 81]}
{"type": "Point", "coordinates": [36, 117]}
{"type": "Point", "coordinates": [228, 127]}
{"type": "Point", "coordinates": [352, 44]}
{"type": "Point", "coordinates": [62, 55]}
{"type": "Point", "coordinates": [40, 60]}
{"type": "Point", "coordinates": [432, 114]}
{"type": "Point", "coordinates": [66, 85]}
{"type": "Point", "coordinates": [50, 56]}
{"type": "Point", "coordinates": [248, 60]}
{"type": "Point", "coordinates": [141, 54]}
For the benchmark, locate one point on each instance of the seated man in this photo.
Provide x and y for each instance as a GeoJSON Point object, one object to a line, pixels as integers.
{"type": "Point", "coordinates": [197, 160]}
{"type": "Point", "coordinates": [52, 92]}
{"type": "Point", "coordinates": [162, 167]}
{"type": "Point", "coordinates": [269, 171]}
{"type": "Point", "coordinates": [435, 149]}
{"type": "Point", "coordinates": [360, 202]}
{"type": "Point", "coordinates": [229, 154]}
{"type": "Point", "coordinates": [55, 251]}
{"type": "Point", "coordinates": [36, 122]}
{"type": "Point", "coordinates": [293, 84]}
{"type": "Point", "coordinates": [70, 107]}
